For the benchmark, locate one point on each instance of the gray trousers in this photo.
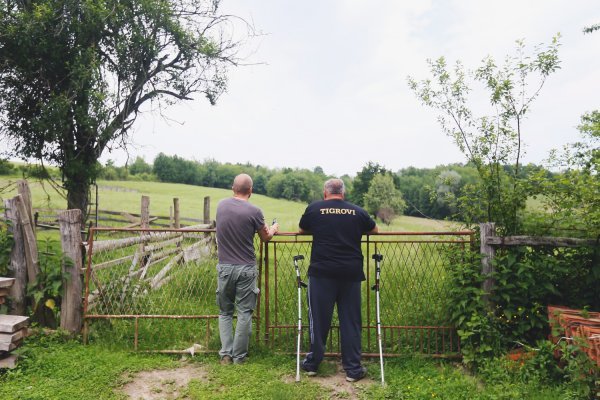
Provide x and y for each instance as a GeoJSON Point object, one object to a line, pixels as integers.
{"type": "Point", "coordinates": [236, 288]}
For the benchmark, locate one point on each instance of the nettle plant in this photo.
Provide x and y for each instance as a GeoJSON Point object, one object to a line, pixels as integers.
{"type": "Point", "coordinates": [45, 291]}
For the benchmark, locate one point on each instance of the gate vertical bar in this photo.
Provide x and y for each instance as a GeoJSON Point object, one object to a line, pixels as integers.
{"type": "Point", "coordinates": [267, 294]}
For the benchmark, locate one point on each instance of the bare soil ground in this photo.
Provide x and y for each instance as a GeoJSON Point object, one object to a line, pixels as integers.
{"type": "Point", "coordinates": [168, 383]}
{"type": "Point", "coordinates": [162, 384]}
{"type": "Point", "coordinates": [336, 383]}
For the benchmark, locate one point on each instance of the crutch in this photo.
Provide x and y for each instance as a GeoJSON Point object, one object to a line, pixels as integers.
{"type": "Point", "coordinates": [375, 287]}
{"type": "Point", "coordinates": [300, 285]}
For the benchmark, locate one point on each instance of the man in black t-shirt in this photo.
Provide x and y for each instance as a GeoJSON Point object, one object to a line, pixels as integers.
{"type": "Point", "coordinates": [335, 275]}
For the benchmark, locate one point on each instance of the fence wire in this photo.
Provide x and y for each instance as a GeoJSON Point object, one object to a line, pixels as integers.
{"type": "Point", "coordinates": [155, 290]}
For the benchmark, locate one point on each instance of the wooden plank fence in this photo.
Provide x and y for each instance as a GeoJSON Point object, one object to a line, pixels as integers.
{"type": "Point", "coordinates": [24, 260]}
{"type": "Point", "coordinates": [490, 242]}
{"type": "Point", "coordinates": [47, 218]}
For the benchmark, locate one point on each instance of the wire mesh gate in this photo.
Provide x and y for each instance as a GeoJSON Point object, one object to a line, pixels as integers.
{"type": "Point", "coordinates": [414, 301]}
{"type": "Point", "coordinates": [156, 289]}
{"type": "Point", "coordinates": [152, 288]}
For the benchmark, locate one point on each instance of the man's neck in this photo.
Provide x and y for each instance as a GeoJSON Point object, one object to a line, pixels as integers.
{"type": "Point", "coordinates": [239, 196]}
{"type": "Point", "coordinates": [334, 197]}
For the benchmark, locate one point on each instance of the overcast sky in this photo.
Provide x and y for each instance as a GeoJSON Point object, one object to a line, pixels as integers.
{"type": "Point", "coordinates": [329, 87]}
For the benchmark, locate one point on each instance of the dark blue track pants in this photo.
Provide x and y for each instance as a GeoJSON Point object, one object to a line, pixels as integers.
{"type": "Point", "coordinates": [323, 294]}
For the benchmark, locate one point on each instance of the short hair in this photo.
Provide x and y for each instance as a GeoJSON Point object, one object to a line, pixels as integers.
{"type": "Point", "coordinates": [335, 186]}
{"type": "Point", "coordinates": [242, 184]}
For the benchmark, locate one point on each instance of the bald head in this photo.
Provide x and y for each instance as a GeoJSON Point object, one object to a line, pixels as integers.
{"type": "Point", "coordinates": [335, 187]}
{"type": "Point", "coordinates": [242, 185]}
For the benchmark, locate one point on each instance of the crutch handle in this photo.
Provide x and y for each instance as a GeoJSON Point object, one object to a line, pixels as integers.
{"type": "Point", "coordinates": [377, 257]}
{"type": "Point", "coordinates": [298, 257]}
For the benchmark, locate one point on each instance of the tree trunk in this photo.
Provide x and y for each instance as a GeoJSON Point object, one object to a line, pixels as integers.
{"type": "Point", "coordinates": [78, 184]}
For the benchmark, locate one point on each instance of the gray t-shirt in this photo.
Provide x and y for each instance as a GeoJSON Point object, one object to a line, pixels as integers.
{"type": "Point", "coordinates": [237, 222]}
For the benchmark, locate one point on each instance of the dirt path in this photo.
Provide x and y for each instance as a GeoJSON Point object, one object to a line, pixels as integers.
{"type": "Point", "coordinates": [163, 383]}
{"type": "Point", "coordinates": [168, 383]}
{"type": "Point", "coordinates": [340, 388]}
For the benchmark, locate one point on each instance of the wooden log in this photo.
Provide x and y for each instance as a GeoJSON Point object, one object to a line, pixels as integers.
{"type": "Point", "coordinates": [9, 346]}
{"type": "Point", "coordinates": [176, 220]}
{"type": "Point", "coordinates": [160, 276]}
{"type": "Point", "coordinates": [160, 245]}
{"type": "Point", "coordinates": [12, 323]}
{"type": "Point", "coordinates": [31, 250]}
{"type": "Point", "coordinates": [6, 283]}
{"type": "Point", "coordinates": [155, 258]}
{"type": "Point", "coordinates": [114, 244]}
{"type": "Point", "coordinates": [196, 251]}
{"type": "Point", "coordinates": [207, 209]}
{"type": "Point", "coordinates": [71, 315]}
{"type": "Point", "coordinates": [539, 241]}
{"type": "Point", "coordinates": [130, 217]}
{"type": "Point", "coordinates": [136, 224]}
{"type": "Point", "coordinates": [25, 192]}
{"type": "Point", "coordinates": [17, 264]}
{"type": "Point", "coordinates": [488, 252]}
{"type": "Point", "coordinates": [112, 263]}
{"type": "Point", "coordinates": [145, 213]}
{"type": "Point", "coordinates": [8, 362]}
{"type": "Point", "coordinates": [13, 337]}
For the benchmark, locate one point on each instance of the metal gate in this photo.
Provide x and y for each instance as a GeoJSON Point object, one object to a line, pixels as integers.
{"type": "Point", "coordinates": [414, 301]}
{"type": "Point", "coordinates": [155, 290]}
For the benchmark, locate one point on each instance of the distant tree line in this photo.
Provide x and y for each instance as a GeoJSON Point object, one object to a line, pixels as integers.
{"type": "Point", "coordinates": [441, 192]}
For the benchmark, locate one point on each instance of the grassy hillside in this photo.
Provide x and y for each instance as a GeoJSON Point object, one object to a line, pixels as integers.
{"type": "Point", "coordinates": [126, 196]}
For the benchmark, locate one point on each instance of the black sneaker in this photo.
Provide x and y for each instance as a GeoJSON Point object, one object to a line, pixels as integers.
{"type": "Point", "coordinates": [308, 372]}
{"type": "Point", "coordinates": [362, 374]}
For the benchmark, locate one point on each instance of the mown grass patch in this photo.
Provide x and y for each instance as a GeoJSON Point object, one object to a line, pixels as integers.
{"type": "Point", "coordinates": [52, 368]}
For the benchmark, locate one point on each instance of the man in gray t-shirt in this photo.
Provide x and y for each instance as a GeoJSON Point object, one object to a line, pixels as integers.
{"type": "Point", "coordinates": [237, 222]}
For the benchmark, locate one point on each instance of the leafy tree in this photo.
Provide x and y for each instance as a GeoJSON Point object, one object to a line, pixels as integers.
{"type": "Point", "coordinates": [111, 172]}
{"type": "Point", "coordinates": [75, 74]}
{"type": "Point", "coordinates": [491, 141]}
{"type": "Point", "coordinates": [362, 182]}
{"type": "Point", "coordinates": [383, 195]}
{"type": "Point", "coordinates": [591, 28]}
{"type": "Point", "coordinates": [140, 166]}
{"type": "Point", "coordinates": [176, 169]}
{"type": "Point", "coordinates": [6, 167]}
{"type": "Point", "coordinates": [572, 197]}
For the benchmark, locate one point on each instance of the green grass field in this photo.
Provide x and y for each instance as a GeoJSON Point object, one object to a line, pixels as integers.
{"type": "Point", "coordinates": [126, 196]}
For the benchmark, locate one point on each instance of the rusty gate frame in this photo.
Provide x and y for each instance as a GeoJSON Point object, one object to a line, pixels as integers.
{"type": "Point", "coordinates": [264, 251]}
{"type": "Point", "coordinates": [370, 241]}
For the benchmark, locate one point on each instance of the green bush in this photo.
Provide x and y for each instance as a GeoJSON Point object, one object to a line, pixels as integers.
{"type": "Point", "coordinates": [6, 167]}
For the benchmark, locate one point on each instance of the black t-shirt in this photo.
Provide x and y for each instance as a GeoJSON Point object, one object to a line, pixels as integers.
{"type": "Point", "coordinates": [337, 227]}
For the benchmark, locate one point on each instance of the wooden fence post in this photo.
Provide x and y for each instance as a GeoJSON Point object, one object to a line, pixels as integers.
{"type": "Point", "coordinates": [17, 263]}
{"type": "Point", "coordinates": [71, 315]}
{"type": "Point", "coordinates": [145, 213]}
{"type": "Point", "coordinates": [177, 223]}
{"type": "Point", "coordinates": [30, 241]}
{"type": "Point", "coordinates": [207, 209]}
{"type": "Point", "coordinates": [25, 192]}
{"type": "Point", "coordinates": [488, 252]}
